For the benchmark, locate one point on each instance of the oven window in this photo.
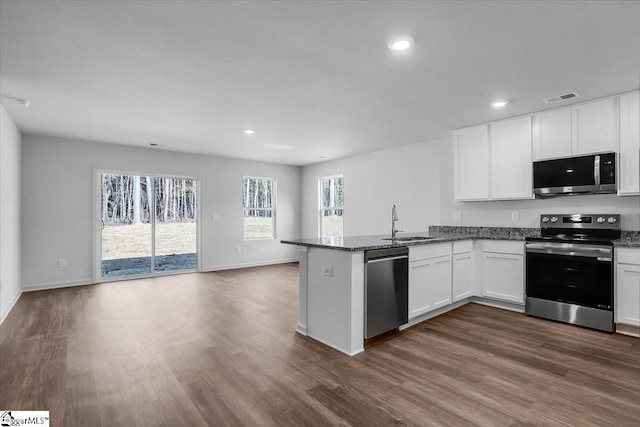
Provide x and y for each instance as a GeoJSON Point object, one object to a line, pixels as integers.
{"type": "Point", "coordinates": [570, 279]}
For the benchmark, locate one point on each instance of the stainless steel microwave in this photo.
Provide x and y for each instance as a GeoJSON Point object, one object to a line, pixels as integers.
{"type": "Point", "coordinates": [593, 174]}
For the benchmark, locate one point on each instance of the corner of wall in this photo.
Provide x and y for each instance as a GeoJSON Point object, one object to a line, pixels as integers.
{"type": "Point", "coordinates": [10, 213]}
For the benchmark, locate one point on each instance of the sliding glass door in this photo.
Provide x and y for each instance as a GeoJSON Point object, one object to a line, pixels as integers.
{"type": "Point", "coordinates": [148, 224]}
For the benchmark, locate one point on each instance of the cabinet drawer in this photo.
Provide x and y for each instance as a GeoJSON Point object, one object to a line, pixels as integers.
{"type": "Point", "coordinates": [417, 253]}
{"type": "Point", "coordinates": [627, 256]}
{"type": "Point", "coordinates": [503, 247]}
{"type": "Point", "coordinates": [462, 246]}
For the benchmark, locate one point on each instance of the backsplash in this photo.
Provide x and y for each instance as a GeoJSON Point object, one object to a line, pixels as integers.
{"type": "Point", "coordinates": [629, 235]}
{"type": "Point", "coordinates": [486, 232]}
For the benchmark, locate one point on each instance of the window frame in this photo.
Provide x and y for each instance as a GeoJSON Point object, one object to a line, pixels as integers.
{"type": "Point", "coordinates": [322, 209]}
{"type": "Point", "coordinates": [272, 209]}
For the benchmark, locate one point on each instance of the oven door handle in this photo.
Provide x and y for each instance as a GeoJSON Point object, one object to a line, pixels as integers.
{"type": "Point", "coordinates": [570, 249]}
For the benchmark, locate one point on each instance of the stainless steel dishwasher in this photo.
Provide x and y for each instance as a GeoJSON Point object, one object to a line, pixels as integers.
{"type": "Point", "coordinates": [386, 290]}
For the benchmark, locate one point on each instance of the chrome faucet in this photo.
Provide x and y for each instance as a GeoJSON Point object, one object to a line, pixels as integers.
{"type": "Point", "coordinates": [394, 218]}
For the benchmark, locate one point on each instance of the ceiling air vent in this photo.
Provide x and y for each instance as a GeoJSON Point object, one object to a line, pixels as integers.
{"type": "Point", "coordinates": [562, 97]}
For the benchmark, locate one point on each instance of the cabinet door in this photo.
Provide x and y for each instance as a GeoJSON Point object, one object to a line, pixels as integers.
{"type": "Point", "coordinates": [471, 163]}
{"type": "Point", "coordinates": [441, 282]}
{"type": "Point", "coordinates": [511, 164]}
{"type": "Point", "coordinates": [552, 134]}
{"type": "Point", "coordinates": [419, 292]}
{"type": "Point", "coordinates": [503, 276]}
{"type": "Point", "coordinates": [594, 127]}
{"type": "Point", "coordinates": [629, 164]}
{"type": "Point", "coordinates": [462, 276]}
{"type": "Point", "coordinates": [628, 294]}
{"type": "Point", "coordinates": [429, 285]}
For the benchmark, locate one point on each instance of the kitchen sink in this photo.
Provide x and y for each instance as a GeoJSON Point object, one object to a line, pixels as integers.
{"type": "Point", "coordinates": [409, 238]}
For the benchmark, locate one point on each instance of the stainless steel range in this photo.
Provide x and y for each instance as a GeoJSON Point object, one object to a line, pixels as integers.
{"type": "Point", "coordinates": [569, 269]}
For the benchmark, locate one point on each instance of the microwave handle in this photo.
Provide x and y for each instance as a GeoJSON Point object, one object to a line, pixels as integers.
{"type": "Point", "coordinates": [596, 169]}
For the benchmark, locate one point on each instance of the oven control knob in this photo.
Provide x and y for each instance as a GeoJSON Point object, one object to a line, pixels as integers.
{"type": "Point", "coordinates": [554, 219]}
{"type": "Point", "coordinates": [545, 219]}
{"type": "Point", "coordinates": [611, 220]}
{"type": "Point", "coordinates": [601, 220]}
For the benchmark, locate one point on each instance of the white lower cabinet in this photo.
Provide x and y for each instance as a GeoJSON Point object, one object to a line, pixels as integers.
{"type": "Point", "coordinates": [627, 305]}
{"type": "Point", "coordinates": [503, 270]}
{"type": "Point", "coordinates": [429, 278]}
{"type": "Point", "coordinates": [463, 271]}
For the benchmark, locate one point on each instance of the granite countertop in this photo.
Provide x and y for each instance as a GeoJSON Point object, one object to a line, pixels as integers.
{"type": "Point", "coordinates": [440, 234]}
{"type": "Point", "coordinates": [628, 239]}
{"type": "Point", "coordinates": [436, 234]}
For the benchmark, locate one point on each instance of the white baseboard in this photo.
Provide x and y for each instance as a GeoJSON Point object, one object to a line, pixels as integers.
{"type": "Point", "coordinates": [13, 303]}
{"type": "Point", "coordinates": [434, 313]}
{"type": "Point", "coordinates": [512, 306]}
{"type": "Point", "coordinates": [56, 285]}
{"type": "Point", "coordinates": [302, 330]}
{"type": "Point", "coordinates": [247, 265]}
{"type": "Point", "coordinates": [82, 282]}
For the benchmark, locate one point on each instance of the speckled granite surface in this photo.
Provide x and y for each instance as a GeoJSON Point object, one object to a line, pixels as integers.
{"type": "Point", "coordinates": [628, 239]}
{"type": "Point", "coordinates": [493, 233]}
{"type": "Point", "coordinates": [440, 234]}
{"type": "Point", "coordinates": [436, 234]}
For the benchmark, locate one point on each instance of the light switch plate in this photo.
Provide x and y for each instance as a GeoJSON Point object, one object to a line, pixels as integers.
{"type": "Point", "coordinates": [457, 216]}
{"type": "Point", "coordinates": [215, 216]}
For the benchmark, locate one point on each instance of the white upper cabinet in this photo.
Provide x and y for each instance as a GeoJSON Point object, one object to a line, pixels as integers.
{"type": "Point", "coordinates": [471, 163]}
{"type": "Point", "coordinates": [552, 134]}
{"type": "Point", "coordinates": [511, 163]}
{"type": "Point", "coordinates": [582, 129]}
{"type": "Point", "coordinates": [594, 127]}
{"type": "Point", "coordinates": [629, 162]}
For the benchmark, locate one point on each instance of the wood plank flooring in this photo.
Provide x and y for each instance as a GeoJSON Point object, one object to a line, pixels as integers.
{"type": "Point", "coordinates": [220, 349]}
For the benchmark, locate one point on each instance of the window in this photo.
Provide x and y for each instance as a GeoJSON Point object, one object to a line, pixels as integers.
{"type": "Point", "coordinates": [258, 196]}
{"type": "Point", "coordinates": [331, 206]}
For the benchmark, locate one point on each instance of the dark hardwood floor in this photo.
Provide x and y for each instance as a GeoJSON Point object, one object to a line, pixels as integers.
{"type": "Point", "coordinates": [220, 349]}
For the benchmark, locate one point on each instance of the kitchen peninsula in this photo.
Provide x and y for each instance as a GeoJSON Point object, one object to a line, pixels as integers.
{"type": "Point", "coordinates": [332, 277]}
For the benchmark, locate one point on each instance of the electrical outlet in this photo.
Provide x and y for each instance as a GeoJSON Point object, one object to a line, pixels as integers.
{"type": "Point", "coordinates": [457, 216]}
{"type": "Point", "coordinates": [515, 216]}
{"type": "Point", "coordinates": [238, 250]}
{"type": "Point", "coordinates": [215, 216]}
{"type": "Point", "coordinates": [62, 263]}
{"type": "Point", "coordinates": [327, 270]}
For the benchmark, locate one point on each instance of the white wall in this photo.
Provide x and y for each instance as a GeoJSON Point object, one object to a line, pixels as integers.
{"type": "Point", "coordinates": [498, 213]}
{"type": "Point", "coordinates": [10, 146]}
{"type": "Point", "coordinates": [419, 180]}
{"type": "Point", "coordinates": [57, 206]}
{"type": "Point", "coordinates": [408, 177]}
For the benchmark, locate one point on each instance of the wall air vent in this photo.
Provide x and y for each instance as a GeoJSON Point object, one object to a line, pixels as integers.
{"type": "Point", "coordinates": [562, 97]}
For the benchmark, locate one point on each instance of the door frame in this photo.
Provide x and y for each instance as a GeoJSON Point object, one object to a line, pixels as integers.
{"type": "Point", "coordinates": [97, 226]}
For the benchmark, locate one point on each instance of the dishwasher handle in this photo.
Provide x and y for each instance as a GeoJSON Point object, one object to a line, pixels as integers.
{"type": "Point", "coordinates": [371, 261]}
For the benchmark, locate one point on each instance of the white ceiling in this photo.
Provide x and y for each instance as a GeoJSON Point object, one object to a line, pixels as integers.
{"type": "Point", "coordinates": [315, 75]}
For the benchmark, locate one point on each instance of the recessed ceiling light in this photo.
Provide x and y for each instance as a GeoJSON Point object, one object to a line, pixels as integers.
{"type": "Point", "coordinates": [279, 146]}
{"type": "Point", "coordinates": [154, 144]}
{"type": "Point", "coordinates": [249, 131]}
{"type": "Point", "coordinates": [22, 102]}
{"type": "Point", "coordinates": [499, 104]}
{"type": "Point", "coordinates": [322, 157]}
{"type": "Point", "coordinates": [401, 44]}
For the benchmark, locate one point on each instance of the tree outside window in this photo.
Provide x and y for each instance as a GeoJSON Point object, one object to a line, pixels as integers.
{"type": "Point", "coordinates": [331, 206]}
{"type": "Point", "coordinates": [258, 196]}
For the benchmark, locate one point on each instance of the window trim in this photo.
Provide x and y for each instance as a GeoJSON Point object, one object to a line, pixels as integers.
{"type": "Point", "coordinates": [322, 209]}
{"type": "Point", "coordinates": [274, 198]}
